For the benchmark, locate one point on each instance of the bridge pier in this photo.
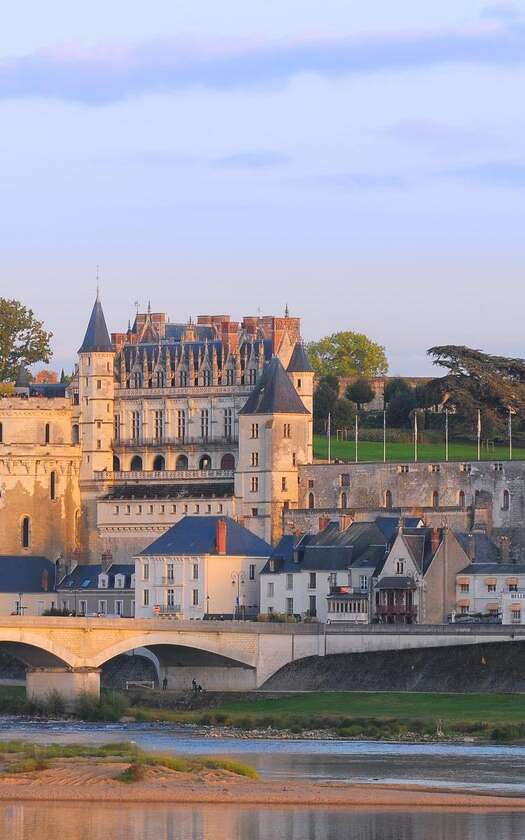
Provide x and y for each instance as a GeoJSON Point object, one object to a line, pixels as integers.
{"type": "Point", "coordinates": [210, 678]}
{"type": "Point", "coordinates": [69, 682]}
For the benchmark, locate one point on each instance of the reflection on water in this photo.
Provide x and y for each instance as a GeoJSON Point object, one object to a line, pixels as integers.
{"type": "Point", "coordinates": [28, 821]}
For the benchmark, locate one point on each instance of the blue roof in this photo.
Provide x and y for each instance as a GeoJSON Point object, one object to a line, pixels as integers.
{"type": "Point", "coordinates": [96, 339]}
{"type": "Point", "coordinates": [86, 576]}
{"type": "Point", "coordinates": [274, 393]}
{"type": "Point", "coordinates": [197, 535]}
{"type": "Point", "coordinates": [26, 573]}
{"type": "Point", "coordinates": [299, 362]}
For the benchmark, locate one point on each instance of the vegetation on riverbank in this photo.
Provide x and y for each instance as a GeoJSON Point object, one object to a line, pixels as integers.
{"type": "Point", "coordinates": [37, 757]}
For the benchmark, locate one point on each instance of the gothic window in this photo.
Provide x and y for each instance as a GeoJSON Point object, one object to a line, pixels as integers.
{"type": "Point", "coordinates": [344, 501]}
{"type": "Point", "coordinates": [287, 430]}
{"type": "Point", "coordinates": [160, 379]}
{"type": "Point", "coordinates": [255, 431]}
{"type": "Point", "coordinates": [205, 423]}
{"type": "Point", "coordinates": [255, 459]}
{"type": "Point", "coordinates": [183, 379]}
{"type": "Point", "coordinates": [228, 423]}
{"type": "Point", "coordinates": [252, 376]}
{"type": "Point", "coordinates": [206, 378]}
{"type": "Point", "coordinates": [229, 377]}
{"type": "Point", "coordinates": [26, 532]}
{"type": "Point", "coordinates": [135, 425]}
{"type": "Point", "coordinates": [137, 380]}
{"type": "Point", "coordinates": [254, 484]}
{"type": "Point", "coordinates": [159, 424]}
{"type": "Point", "coordinates": [311, 501]}
{"type": "Point", "coordinates": [181, 424]}
{"type": "Point", "coordinates": [75, 434]}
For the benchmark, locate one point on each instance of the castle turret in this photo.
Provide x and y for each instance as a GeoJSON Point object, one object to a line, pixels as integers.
{"type": "Point", "coordinates": [301, 373]}
{"type": "Point", "coordinates": [274, 433]}
{"type": "Point", "coordinates": [96, 393]}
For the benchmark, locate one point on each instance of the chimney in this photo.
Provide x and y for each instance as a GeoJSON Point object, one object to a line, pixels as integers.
{"type": "Point", "coordinates": [504, 549]}
{"type": "Point", "coordinates": [471, 548]}
{"type": "Point", "coordinates": [106, 560]}
{"type": "Point", "coordinates": [324, 522]}
{"type": "Point", "coordinates": [220, 536]}
{"type": "Point", "coordinates": [436, 539]}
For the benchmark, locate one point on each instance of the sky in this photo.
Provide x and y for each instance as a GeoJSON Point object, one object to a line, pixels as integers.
{"type": "Point", "coordinates": [363, 163]}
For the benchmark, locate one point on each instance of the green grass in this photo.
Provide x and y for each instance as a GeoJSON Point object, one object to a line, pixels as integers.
{"type": "Point", "coordinates": [373, 451]}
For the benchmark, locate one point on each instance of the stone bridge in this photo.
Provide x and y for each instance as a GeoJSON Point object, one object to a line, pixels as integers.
{"type": "Point", "coordinates": [67, 654]}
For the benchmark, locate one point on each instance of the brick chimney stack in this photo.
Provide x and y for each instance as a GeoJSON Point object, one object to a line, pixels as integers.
{"type": "Point", "coordinates": [436, 539]}
{"type": "Point", "coordinates": [220, 536]}
{"type": "Point", "coordinates": [504, 549]}
{"type": "Point", "coordinates": [106, 560]}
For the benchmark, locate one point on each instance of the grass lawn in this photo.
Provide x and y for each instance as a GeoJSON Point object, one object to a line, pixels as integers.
{"type": "Point", "coordinates": [373, 451]}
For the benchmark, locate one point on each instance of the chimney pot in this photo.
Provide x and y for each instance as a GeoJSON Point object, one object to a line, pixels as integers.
{"type": "Point", "coordinates": [220, 536]}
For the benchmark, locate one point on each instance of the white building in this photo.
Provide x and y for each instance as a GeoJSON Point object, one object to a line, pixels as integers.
{"type": "Point", "coordinates": [203, 565]}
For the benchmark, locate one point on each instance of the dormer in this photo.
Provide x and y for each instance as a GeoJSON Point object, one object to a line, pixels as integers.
{"type": "Point", "coordinates": [133, 580]}
{"type": "Point", "coordinates": [103, 581]}
{"type": "Point", "coordinates": [120, 581]}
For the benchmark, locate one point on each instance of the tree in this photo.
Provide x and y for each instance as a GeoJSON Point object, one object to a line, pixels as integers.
{"type": "Point", "coordinates": [348, 354]}
{"type": "Point", "coordinates": [325, 399]}
{"type": "Point", "coordinates": [46, 377]}
{"type": "Point", "coordinates": [23, 339]}
{"type": "Point", "coordinates": [344, 415]}
{"type": "Point", "coordinates": [360, 392]}
{"type": "Point", "coordinates": [396, 387]}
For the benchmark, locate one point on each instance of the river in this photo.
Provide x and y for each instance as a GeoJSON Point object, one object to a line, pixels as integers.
{"type": "Point", "coordinates": [491, 768]}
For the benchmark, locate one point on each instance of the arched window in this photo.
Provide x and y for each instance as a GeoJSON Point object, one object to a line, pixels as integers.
{"type": "Point", "coordinates": [461, 499]}
{"type": "Point", "coordinates": [159, 463]}
{"type": "Point", "coordinates": [136, 463]}
{"type": "Point", "coordinates": [388, 500]}
{"type": "Point", "coordinates": [75, 434]}
{"type": "Point", "coordinates": [26, 532]}
{"type": "Point", "coordinates": [47, 433]}
{"type": "Point", "coordinates": [344, 501]}
{"type": "Point", "coordinates": [311, 501]}
{"type": "Point", "coordinates": [506, 500]}
{"type": "Point", "coordinates": [182, 462]}
{"type": "Point", "coordinates": [227, 462]}
{"type": "Point", "coordinates": [53, 485]}
{"type": "Point", "coordinates": [435, 500]}
{"type": "Point", "coordinates": [205, 463]}
{"type": "Point", "coordinates": [116, 463]}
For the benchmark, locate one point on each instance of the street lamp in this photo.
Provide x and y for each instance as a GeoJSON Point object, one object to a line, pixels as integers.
{"type": "Point", "coordinates": [20, 607]}
{"type": "Point", "coordinates": [238, 578]}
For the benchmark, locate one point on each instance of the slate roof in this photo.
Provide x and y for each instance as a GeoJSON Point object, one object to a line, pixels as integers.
{"type": "Point", "coordinates": [197, 534]}
{"type": "Point", "coordinates": [485, 550]}
{"type": "Point", "coordinates": [22, 378]}
{"type": "Point", "coordinates": [85, 577]}
{"type": "Point", "coordinates": [50, 390]}
{"type": "Point", "coordinates": [396, 582]}
{"type": "Point", "coordinates": [299, 362]}
{"type": "Point", "coordinates": [389, 525]}
{"type": "Point", "coordinates": [96, 339]}
{"type": "Point", "coordinates": [274, 393]}
{"type": "Point", "coordinates": [26, 573]}
{"type": "Point", "coordinates": [494, 569]}
{"type": "Point", "coordinates": [171, 491]}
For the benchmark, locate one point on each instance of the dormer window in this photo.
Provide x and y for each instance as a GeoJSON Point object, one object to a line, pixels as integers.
{"type": "Point", "coordinates": [103, 581]}
{"type": "Point", "coordinates": [119, 581]}
{"type": "Point", "coordinates": [400, 567]}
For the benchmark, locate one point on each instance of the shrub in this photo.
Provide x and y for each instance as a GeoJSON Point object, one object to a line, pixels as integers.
{"type": "Point", "coordinates": [28, 765]}
{"type": "Point", "coordinates": [134, 773]}
{"type": "Point", "coordinates": [54, 703]}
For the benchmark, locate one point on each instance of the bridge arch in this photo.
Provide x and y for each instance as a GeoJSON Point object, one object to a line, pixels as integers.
{"type": "Point", "coordinates": [36, 651]}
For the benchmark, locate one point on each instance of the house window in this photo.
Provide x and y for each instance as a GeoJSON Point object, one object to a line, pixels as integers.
{"type": "Point", "coordinates": [53, 485]}
{"type": "Point", "coordinates": [289, 581]}
{"type": "Point", "coordinates": [270, 589]}
{"type": "Point", "coordinates": [181, 425]}
{"type": "Point", "coordinates": [99, 384]}
{"type": "Point", "coordinates": [75, 434]}
{"type": "Point", "coordinates": [464, 610]}
{"type": "Point", "coordinates": [116, 509]}
{"type": "Point", "coordinates": [82, 607]}
{"type": "Point", "coordinates": [102, 607]}
{"type": "Point", "coordinates": [228, 423]}
{"type": "Point", "coordinates": [312, 580]}
{"type": "Point", "coordinates": [103, 582]}
{"type": "Point", "coordinates": [145, 571]}
{"type": "Point", "coordinates": [255, 484]}
{"type": "Point", "coordinates": [145, 598]}
{"type": "Point", "coordinates": [255, 459]}
{"type": "Point", "coordinates": [170, 571]}
{"type": "Point", "coordinates": [491, 587]}
{"type": "Point", "coordinates": [515, 616]}
{"type": "Point", "coordinates": [135, 425]}
{"type": "Point", "coordinates": [464, 587]}
{"type": "Point", "coordinates": [287, 430]}
{"type": "Point", "coordinates": [195, 598]}
{"type": "Point", "coordinates": [294, 459]}
{"type": "Point", "coordinates": [289, 606]}
{"type": "Point", "coordinates": [363, 583]}
{"type": "Point", "coordinates": [400, 567]}
{"type": "Point", "coordinates": [255, 431]}
{"type": "Point", "coordinates": [251, 571]}
{"type": "Point", "coordinates": [26, 532]}
{"type": "Point", "coordinates": [205, 423]}
{"type": "Point", "coordinates": [170, 598]}
{"type": "Point", "coordinates": [312, 608]}
{"type": "Point", "coordinates": [343, 501]}
{"type": "Point", "coordinates": [159, 424]}
{"type": "Point", "coordinates": [255, 511]}
{"type": "Point", "coordinates": [513, 587]}
{"type": "Point", "coordinates": [119, 608]}
{"type": "Point", "coordinates": [195, 571]}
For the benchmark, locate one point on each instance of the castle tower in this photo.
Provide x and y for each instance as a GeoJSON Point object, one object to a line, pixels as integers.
{"type": "Point", "coordinates": [301, 373]}
{"type": "Point", "coordinates": [96, 396]}
{"type": "Point", "coordinates": [274, 434]}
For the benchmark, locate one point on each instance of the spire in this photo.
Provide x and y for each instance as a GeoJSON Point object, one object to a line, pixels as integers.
{"type": "Point", "coordinates": [299, 362]}
{"type": "Point", "coordinates": [274, 393]}
{"type": "Point", "coordinates": [96, 339]}
{"type": "Point", "coordinates": [286, 312]}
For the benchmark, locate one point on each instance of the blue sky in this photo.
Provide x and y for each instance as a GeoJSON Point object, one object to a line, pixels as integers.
{"type": "Point", "coordinates": [363, 163]}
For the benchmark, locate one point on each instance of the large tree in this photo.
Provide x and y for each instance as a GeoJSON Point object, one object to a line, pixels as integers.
{"type": "Point", "coordinates": [23, 339]}
{"type": "Point", "coordinates": [348, 354]}
{"type": "Point", "coordinates": [360, 392]}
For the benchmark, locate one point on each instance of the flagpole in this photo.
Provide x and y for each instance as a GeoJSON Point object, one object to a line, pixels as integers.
{"type": "Point", "coordinates": [510, 434]}
{"type": "Point", "coordinates": [446, 434]}
{"type": "Point", "coordinates": [329, 432]}
{"type": "Point", "coordinates": [415, 436]}
{"type": "Point", "coordinates": [384, 435]}
{"type": "Point", "coordinates": [356, 438]}
{"type": "Point", "coordinates": [479, 434]}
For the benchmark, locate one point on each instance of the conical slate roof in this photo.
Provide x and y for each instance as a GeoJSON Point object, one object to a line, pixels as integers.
{"type": "Point", "coordinates": [22, 378]}
{"type": "Point", "coordinates": [299, 363]}
{"type": "Point", "coordinates": [274, 393]}
{"type": "Point", "coordinates": [96, 339]}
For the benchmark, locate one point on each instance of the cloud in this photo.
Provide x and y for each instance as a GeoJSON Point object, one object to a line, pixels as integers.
{"type": "Point", "coordinates": [356, 181]}
{"type": "Point", "coordinates": [499, 173]}
{"type": "Point", "coordinates": [501, 11]}
{"type": "Point", "coordinates": [252, 160]}
{"type": "Point", "coordinates": [165, 66]}
{"type": "Point", "coordinates": [431, 133]}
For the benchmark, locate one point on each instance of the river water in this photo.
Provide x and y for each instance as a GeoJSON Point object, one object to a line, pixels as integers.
{"type": "Point", "coordinates": [490, 768]}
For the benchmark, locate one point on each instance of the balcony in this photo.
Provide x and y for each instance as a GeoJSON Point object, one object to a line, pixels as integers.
{"type": "Point", "coordinates": [172, 476]}
{"type": "Point", "coordinates": [176, 609]}
{"type": "Point", "coordinates": [396, 611]}
{"type": "Point", "coordinates": [174, 443]}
